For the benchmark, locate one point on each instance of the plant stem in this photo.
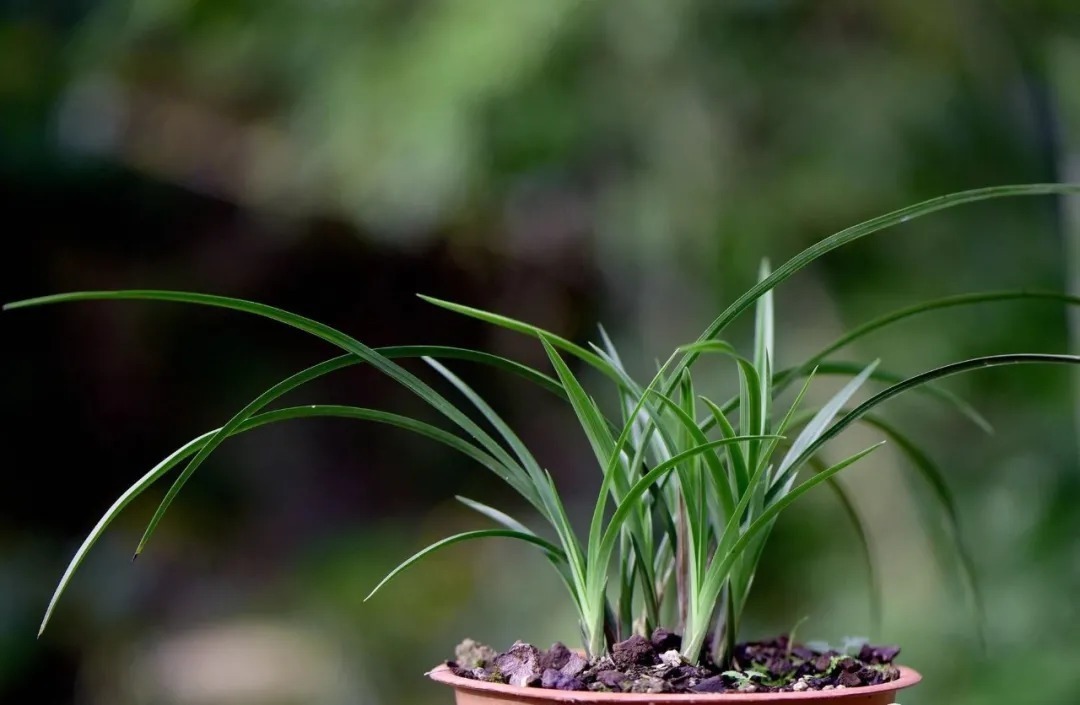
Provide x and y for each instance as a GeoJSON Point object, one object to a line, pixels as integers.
{"type": "Point", "coordinates": [730, 627]}
{"type": "Point", "coordinates": [682, 564]}
{"type": "Point", "coordinates": [695, 640]}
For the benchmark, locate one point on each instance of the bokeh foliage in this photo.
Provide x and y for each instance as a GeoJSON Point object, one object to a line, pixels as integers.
{"type": "Point", "coordinates": [564, 163]}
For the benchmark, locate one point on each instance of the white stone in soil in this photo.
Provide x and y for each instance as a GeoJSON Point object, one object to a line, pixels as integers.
{"type": "Point", "coordinates": [671, 658]}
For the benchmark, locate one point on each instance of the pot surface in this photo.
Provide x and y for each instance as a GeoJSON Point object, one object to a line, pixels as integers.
{"type": "Point", "coordinates": [470, 692]}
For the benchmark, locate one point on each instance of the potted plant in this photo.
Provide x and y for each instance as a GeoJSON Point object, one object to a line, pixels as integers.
{"type": "Point", "coordinates": [691, 488]}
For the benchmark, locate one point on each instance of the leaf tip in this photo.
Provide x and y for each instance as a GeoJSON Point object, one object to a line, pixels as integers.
{"type": "Point", "coordinates": [437, 302]}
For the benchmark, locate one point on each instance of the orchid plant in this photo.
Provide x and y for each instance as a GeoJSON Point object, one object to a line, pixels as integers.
{"type": "Point", "coordinates": [691, 485]}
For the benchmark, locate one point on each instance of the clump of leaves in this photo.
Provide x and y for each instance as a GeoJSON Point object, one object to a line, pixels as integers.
{"type": "Point", "coordinates": [691, 485]}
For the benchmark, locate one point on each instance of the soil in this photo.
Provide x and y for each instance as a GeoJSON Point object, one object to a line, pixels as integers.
{"type": "Point", "coordinates": [653, 665]}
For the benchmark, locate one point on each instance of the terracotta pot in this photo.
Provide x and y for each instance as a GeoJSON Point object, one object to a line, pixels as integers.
{"type": "Point", "coordinates": [470, 692]}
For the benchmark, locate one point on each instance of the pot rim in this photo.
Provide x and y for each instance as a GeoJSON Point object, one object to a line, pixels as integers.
{"type": "Point", "coordinates": [443, 674]}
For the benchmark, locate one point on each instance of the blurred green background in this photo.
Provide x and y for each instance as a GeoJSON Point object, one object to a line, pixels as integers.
{"type": "Point", "coordinates": [623, 161]}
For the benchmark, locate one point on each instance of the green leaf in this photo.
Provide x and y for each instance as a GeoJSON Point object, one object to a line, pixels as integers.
{"type": "Point", "coordinates": [592, 421]}
{"type": "Point", "coordinates": [705, 601]}
{"type": "Point", "coordinates": [547, 546]}
{"type": "Point", "coordinates": [851, 369]}
{"type": "Point", "coordinates": [764, 354]}
{"type": "Point", "coordinates": [521, 327]}
{"type": "Point", "coordinates": [661, 441]}
{"type": "Point", "coordinates": [786, 422]}
{"type": "Point", "coordinates": [446, 352]}
{"type": "Point", "coordinates": [497, 516]}
{"type": "Point", "coordinates": [735, 454]}
{"type": "Point", "coordinates": [936, 304]}
{"type": "Point", "coordinates": [856, 232]}
{"type": "Point", "coordinates": [667, 525]}
{"type": "Point", "coordinates": [649, 478]}
{"type": "Point", "coordinates": [579, 569]}
{"type": "Point", "coordinates": [607, 452]}
{"type": "Point", "coordinates": [193, 446]}
{"type": "Point", "coordinates": [715, 466]}
{"type": "Point", "coordinates": [558, 559]}
{"type": "Point", "coordinates": [627, 580]}
{"type": "Point", "coordinates": [720, 567]}
{"type": "Point", "coordinates": [496, 421]}
{"type": "Point", "coordinates": [813, 430]}
{"type": "Point", "coordinates": [225, 431]}
{"type": "Point", "coordinates": [614, 482]}
{"type": "Point", "coordinates": [955, 368]}
{"type": "Point", "coordinates": [647, 582]}
{"type": "Point", "coordinates": [752, 407]}
{"type": "Point", "coordinates": [931, 390]}
{"type": "Point", "coordinates": [320, 330]}
{"type": "Point", "coordinates": [763, 322]}
{"type": "Point", "coordinates": [709, 346]}
{"type": "Point", "coordinates": [265, 399]}
{"type": "Point", "coordinates": [319, 370]}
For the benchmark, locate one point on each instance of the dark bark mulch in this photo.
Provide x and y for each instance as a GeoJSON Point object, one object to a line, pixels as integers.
{"type": "Point", "coordinates": [640, 665]}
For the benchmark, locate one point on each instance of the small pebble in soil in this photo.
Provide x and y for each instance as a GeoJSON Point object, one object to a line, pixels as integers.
{"type": "Point", "coordinates": [671, 659]}
{"type": "Point", "coordinates": [654, 665]}
{"type": "Point", "coordinates": [472, 654]}
{"type": "Point", "coordinates": [611, 679]}
{"type": "Point", "coordinates": [560, 681]}
{"type": "Point", "coordinates": [520, 665]}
